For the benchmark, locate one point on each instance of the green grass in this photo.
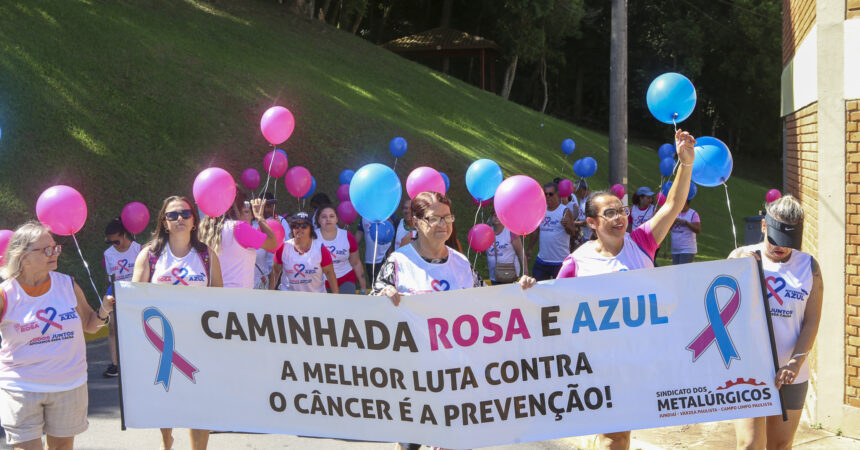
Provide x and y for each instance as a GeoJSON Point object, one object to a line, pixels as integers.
{"type": "Point", "coordinates": [129, 100]}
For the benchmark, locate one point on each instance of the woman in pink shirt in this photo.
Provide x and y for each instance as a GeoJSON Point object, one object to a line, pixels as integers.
{"type": "Point", "coordinates": [615, 250]}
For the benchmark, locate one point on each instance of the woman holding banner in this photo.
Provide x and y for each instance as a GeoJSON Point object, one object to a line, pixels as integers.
{"type": "Point", "coordinates": [234, 240]}
{"type": "Point", "coordinates": [305, 262]}
{"type": "Point", "coordinates": [43, 361]}
{"type": "Point", "coordinates": [795, 291]}
{"type": "Point", "coordinates": [176, 256]}
{"type": "Point", "coordinates": [615, 250]}
{"type": "Point", "coordinates": [344, 252]}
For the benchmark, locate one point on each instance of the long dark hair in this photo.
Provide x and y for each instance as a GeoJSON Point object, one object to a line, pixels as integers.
{"type": "Point", "coordinates": [160, 236]}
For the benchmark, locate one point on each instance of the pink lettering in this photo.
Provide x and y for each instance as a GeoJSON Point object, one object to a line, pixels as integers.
{"type": "Point", "coordinates": [458, 330]}
{"type": "Point", "coordinates": [441, 335]}
{"type": "Point", "coordinates": [492, 326]}
{"type": "Point", "coordinates": [517, 325]}
{"type": "Point", "coordinates": [438, 329]}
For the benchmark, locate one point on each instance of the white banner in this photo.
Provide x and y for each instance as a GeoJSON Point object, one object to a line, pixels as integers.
{"type": "Point", "coordinates": [470, 368]}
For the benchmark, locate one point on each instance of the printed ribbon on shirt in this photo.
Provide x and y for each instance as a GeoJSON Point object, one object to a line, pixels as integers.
{"type": "Point", "coordinates": [718, 320]}
{"type": "Point", "coordinates": [778, 285]}
{"type": "Point", "coordinates": [300, 270]}
{"type": "Point", "coordinates": [48, 320]}
{"type": "Point", "coordinates": [164, 345]}
{"type": "Point", "coordinates": [123, 265]}
{"type": "Point", "coordinates": [180, 275]}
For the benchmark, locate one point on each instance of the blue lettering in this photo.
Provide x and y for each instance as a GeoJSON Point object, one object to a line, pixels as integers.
{"type": "Point", "coordinates": [583, 318]}
{"type": "Point", "coordinates": [656, 319]}
{"type": "Point", "coordinates": [610, 305]}
{"type": "Point", "coordinates": [640, 317]}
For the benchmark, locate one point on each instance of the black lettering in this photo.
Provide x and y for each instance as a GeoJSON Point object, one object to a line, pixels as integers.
{"type": "Point", "coordinates": [304, 330]}
{"type": "Point", "coordinates": [369, 327]}
{"type": "Point", "coordinates": [255, 328]}
{"type": "Point", "coordinates": [351, 335]}
{"type": "Point", "coordinates": [403, 338]}
{"type": "Point", "coordinates": [329, 331]}
{"type": "Point", "coordinates": [234, 327]}
{"type": "Point", "coordinates": [204, 322]}
{"type": "Point", "coordinates": [547, 319]}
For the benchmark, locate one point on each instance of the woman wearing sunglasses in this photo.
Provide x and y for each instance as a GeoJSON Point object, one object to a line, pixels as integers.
{"type": "Point", "coordinates": [176, 256]}
{"type": "Point", "coordinates": [43, 365]}
{"type": "Point", "coordinates": [303, 263]}
{"type": "Point", "coordinates": [615, 250]}
{"type": "Point", "coordinates": [234, 240]}
{"type": "Point", "coordinates": [344, 251]}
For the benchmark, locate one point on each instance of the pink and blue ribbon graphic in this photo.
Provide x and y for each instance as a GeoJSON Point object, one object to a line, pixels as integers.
{"type": "Point", "coordinates": [48, 320]}
{"type": "Point", "coordinates": [300, 270]}
{"type": "Point", "coordinates": [169, 357]}
{"type": "Point", "coordinates": [123, 265]}
{"type": "Point", "coordinates": [718, 321]}
{"type": "Point", "coordinates": [180, 274]}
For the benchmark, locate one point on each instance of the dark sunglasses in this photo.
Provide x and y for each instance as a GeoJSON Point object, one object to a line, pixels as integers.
{"type": "Point", "coordinates": [112, 242]}
{"type": "Point", "coordinates": [299, 225]}
{"type": "Point", "coordinates": [549, 194]}
{"type": "Point", "coordinates": [174, 215]}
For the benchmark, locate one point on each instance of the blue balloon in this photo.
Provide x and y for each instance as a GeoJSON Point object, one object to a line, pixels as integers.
{"type": "Point", "coordinates": [713, 164]}
{"type": "Point", "coordinates": [665, 189]}
{"type": "Point", "coordinates": [671, 98]}
{"type": "Point", "coordinates": [668, 185]}
{"type": "Point", "coordinates": [667, 165]}
{"type": "Point", "coordinates": [346, 176]}
{"type": "Point", "coordinates": [577, 167]}
{"type": "Point", "coordinates": [312, 189]}
{"type": "Point", "coordinates": [482, 178]}
{"type": "Point", "coordinates": [666, 151]}
{"type": "Point", "coordinates": [568, 146]}
{"type": "Point", "coordinates": [447, 181]}
{"type": "Point", "coordinates": [375, 192]}
{"type": "Point", "coordinates": [397, 147]}
{"type": "Point", "coordinates": [385, 232]}
{"type": "Point", "coordinates": [588, 167]}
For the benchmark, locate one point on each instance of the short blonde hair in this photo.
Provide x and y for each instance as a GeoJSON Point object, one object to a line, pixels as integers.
{"type": "Point", "coordinates": [786, 210]}
{"type": "Point", "coordinates": [25, 236]}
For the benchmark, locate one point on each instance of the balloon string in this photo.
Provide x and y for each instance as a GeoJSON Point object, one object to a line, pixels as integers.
{"type": "Point", "coordinates": [375, 245]}
{"type": "Point", "coordinates": [395, 164]}
{"type": "Point", "coordinates": [87, 266]}
{"type": "Point", "coordinates": [729, 204]}
{"type": "Point", "coordinates": [271, 161]}
{"type": "Point", "coordinates": [523, 249]}
{"type": "Point", "coordinates": [475, 222]}
{"type": "Point", "coordinates": [674, 124]}
{"type": "Point", "coordinates": [474, 263]}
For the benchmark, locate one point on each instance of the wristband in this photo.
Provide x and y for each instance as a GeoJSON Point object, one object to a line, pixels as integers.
{"type": "Point", "coordinates": [103, 319]}
{"type": "Point", "coordinates": [685, 165]}
{"type": "Point", "coordinates": [798, 354]}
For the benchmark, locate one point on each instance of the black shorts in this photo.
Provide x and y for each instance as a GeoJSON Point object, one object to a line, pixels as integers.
{"type": "Point", "coordinates": [794, 395]}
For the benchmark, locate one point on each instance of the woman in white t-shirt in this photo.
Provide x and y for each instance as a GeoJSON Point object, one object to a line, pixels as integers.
{"type": "Point", "coordinates": [643, 207]}
{"type": "Point", "coordinates": [507, 249]}
{"type": "Point", "coordinates": [615, 250]}
{"type": "Point", "coordinates": [175, 256]}
{"type": "Point", "coordinates": [403, 232]}
{"type": "Point", "coordinates": [303, 263]}
{"type": "Point", "coordinates": [684, 230]}
{"type": "Point", "coordinates": [118, 261]}
{"type": "Point", "coordinates": [233, 238]}
{"type": "Point", "coordinates": [795, 294]}
{"type": "Point", "coordinates": [344, 251]}
{"type": "Point", "coordinates": [43, 358]}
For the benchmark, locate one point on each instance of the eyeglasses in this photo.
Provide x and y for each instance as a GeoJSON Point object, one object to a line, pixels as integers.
{"type": "Point", "coordinates": [612, 213]}
{"type": "Point", "coordinates": [49, 250]}
{"type": "Point", "coordinates": [435, 220]}
{"type": "Point", "coordinates": [301, 225]}
{"type": "Point", "coordinates": [174, 215]}
{"type": "Point", "coordinates": [107, 241]}
{"type": "Point", "coordinates": [549, 194]}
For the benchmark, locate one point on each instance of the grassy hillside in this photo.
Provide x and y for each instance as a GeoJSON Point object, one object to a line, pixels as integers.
{"type": "Point", "coordinates": [129, 100]}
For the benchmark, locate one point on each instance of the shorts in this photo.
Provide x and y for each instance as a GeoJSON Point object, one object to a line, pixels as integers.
{"type": "Point", "coordinates": [28, 415]}
{"type": "Point", "coordinates": [794, 395]}
{"type": "Point", "coordinates": [682, 258]}
{"type": "Point", "coordinates": [543, 271]}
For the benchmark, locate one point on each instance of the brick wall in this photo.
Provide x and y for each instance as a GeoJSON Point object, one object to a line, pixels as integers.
{"type": "Point", "coordinates": [852, 253]}
{"type": "Point", "coordinates": [797, 19]}
{"type": "Point", "coordinates": [801, 174]}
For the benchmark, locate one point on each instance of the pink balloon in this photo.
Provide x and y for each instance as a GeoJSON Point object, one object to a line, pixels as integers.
{"type": "Point", "coordinates": [343, 193]}
{"type": "Point", "coordinates": [481, 237]}
{"type": "Point", "coordinates": [424, 179]}
{"type": "Point", "coordinates": [5, 236]}
{"type": "Point", "coordinates": [214, 191]}
{"type": "Point", "coordinates": [520, 204]}
{"type": "Point", "coordinates": [661, 199]}
{"type": "Point", "coordinates": [248, 236]}
{"type": "Point", "coordinates": [277, 124]}
{"type": "Point", "coordinates": [62, 209]}
{"type": "Point", "coordinates": [346, 212]}
{"type": "Point", "coordinates": [135, 217]}
{"type": "Point", "coordinates": [772, 195]}
{"type": "Point", "coordinates": [277, 167]}
{"type": "Point", "coordinates": [298, 181]}
{"type": "Point", "coordinates": [279, 231]}
{"type": "Point", "coordinates": [618, 190]}
{"type": "Point", "coordinates": [251, 178]}
{"type": "Point", "coordinates": [565, 188]}
{"type": "Point", "coordinates": [482, 204]}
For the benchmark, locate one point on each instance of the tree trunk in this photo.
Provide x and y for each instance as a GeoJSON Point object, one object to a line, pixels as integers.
{"type": "Point", "coordinates": [311, 9]}
{"type": "Point", "coordinates": [618, 94]}
{"type": "Point", "coordinates": [324, 10]}
{"type": "Point", "coordinates": [446, 13]}
{"type": "Point", "coordinates": [385, 12]}
{"type": "Point", "coordinates": [358, 19]}
{"type": "Point", "coordinates": [543, 82]}
{"type": "Point", "coordinates": [510, 74]}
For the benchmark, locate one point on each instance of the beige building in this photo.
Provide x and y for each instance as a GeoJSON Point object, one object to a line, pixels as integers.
{"type": "Point", "coordinates": [821, 129]}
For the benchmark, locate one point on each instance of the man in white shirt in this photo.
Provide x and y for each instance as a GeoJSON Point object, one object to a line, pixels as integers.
{"type": "Point", "coordinates": [553, 236]}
